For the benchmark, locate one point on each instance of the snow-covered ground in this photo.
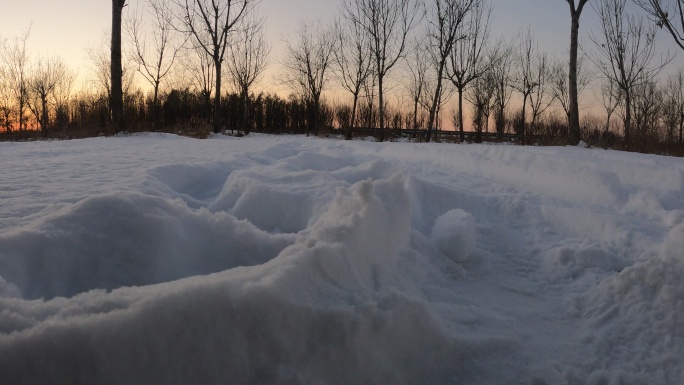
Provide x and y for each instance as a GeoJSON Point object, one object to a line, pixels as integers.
{"type": "Point", "coordinates": [156, 259]}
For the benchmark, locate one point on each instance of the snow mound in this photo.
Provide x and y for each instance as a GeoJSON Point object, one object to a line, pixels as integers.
{"type": "Point", "coordinates": [326, 310]}
{"type": "Point", "coordinates": [455, 235]}
{"type": "Point", "coordinates": [107, 242]}
{"type": "Point", "coordinates": [642, 304]}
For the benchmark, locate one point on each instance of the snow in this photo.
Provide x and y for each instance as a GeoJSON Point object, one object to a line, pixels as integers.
{"type": "Point", "coordinates": [455, 234]}
{"type": "Point", "coordinates": [158, 259]}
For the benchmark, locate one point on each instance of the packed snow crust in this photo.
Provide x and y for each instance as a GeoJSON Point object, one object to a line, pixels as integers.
{"type": "Point", "coordinates": [156, 259]}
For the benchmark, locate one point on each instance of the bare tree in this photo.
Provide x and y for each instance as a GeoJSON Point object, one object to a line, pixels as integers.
{"type": "Point", "coordinates": [16, 64]}
{"type": "Point", "coordinates": [116, 97]}
{"type": "Point", "coordinates": [352, 62]}
{"type": "Point", "coordinates": [368, 113]}
{"type": "Point", "coordinates": [525, 80]}
{"type": "Point", "coordinates": [387, 23]}
{"type": "Point", "coordinates": [46, 77]}
{"type": "Point", "coordinates": [248, 60]}
{"type": "Point", "coordinates": [610, 99]}
{"type": "Point", "coordinates": [501, 73]}
{"type": "Point", "coordinates": [443, 96]}
{"type": "Point", "coordinates": [307, 66]}
{"type": "Point", "coordinates": [198, 68]}
{"type": "Point", "coordinates": [668, 16]}
{"type": "Point", "coordinates": [62, 96]}
{"type": "Point", "coordinates": [211, 23]}
{"type": "Point", "coordinates": [576, 9]}
{"type": "Point", "coordinates": [99, 65]}
{"type": "Point", "coordinates": [647, 110]}
{"type": "Point", "coordinates": [468, 57]}
{"type": "Point", "coordinates": [626, 53]}
{"type": "Point", "coordinates": [542, 96]}
{"type": "Point", "coordinates": [560, 83]}
{"type": "Point", "coordinates": [418, 67]}
{"type": "Point", "coordinates": [6, 97]}
{"type": "Point", "coordinates": [480, 95]}
{"type": "Point", "coordinates": [99, 58]}
{"type": "Point", "coordinates": [446, 20]}
{"type": "Point", "coordinates": [673, 95]}
{"type": "Point", "coordinates": [155, 61]}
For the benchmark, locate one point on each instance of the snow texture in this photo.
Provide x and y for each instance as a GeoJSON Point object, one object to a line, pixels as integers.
{"type": "Point", "coordinates": [155, 259]}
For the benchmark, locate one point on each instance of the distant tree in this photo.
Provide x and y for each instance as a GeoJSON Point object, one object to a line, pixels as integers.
{"type": "Point", "coordinates": [16, 73]}
{"type": "Point", "coordinates": [501, 73]}
{"type": "Point", "coordinates": [156, 60]}
{"type": "Point", "coordinates": [248, 60]}
{"type": "Point", "coordinates": [525, 80]}
{"type": "Point", "coordinates": [560, 83]}
{"type": "Point", "coordinates": [62, 97]}
{"type": "Point", "coordinates": [368, 113]}
{"type": "Point", "coordinates": [212, 23]}
{"type": "Point", "coordinates": [446, 20]}
{"type": "Point", "coordinates": [626, 53]}
{"type": "Point", "coordinates": [576, 8]}
{"type": "Point", "coordinates": [426, 100]}
{"type": "Point", "coordinates": [6, 97]}
{"type": "Point", "coordinates": [418, 66]}
{"type": "Point", "coordinates": [387, 23]}
{"type": "Point", "coordinates": [47, 75]}
{"type": "Point", "coordinates": [647, 107]}
{"type": "Point", "coordinates": [673, 105]}
{"type": "Point", "coordinates": [197, 75]}
{"type": "Point", "coordinates": [610, 100]}
{"type": "Point", "coordinates": [668, 16]}
{"type": "Point", "coordinates": [480, 95]}
{"type": "Point", "coordinates": [307, 66]}
{"type": "Point", "coordinates": [116, 98]}
{"type": "Point", "coordinates": [542, 96]}
{"type": "Point", "coordinates": [468, 59]}
{"type": "Point", "coordinates": [100, 67]}
{"type": "Point", "coordinates": [352, 62]}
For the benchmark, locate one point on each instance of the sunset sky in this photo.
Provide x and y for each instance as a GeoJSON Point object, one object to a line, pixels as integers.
{"type": "Point", "coordinates": [67, 27]}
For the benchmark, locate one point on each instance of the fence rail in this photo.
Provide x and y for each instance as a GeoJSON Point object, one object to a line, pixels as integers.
{"type": "Point", "coordinates": [455, 136]}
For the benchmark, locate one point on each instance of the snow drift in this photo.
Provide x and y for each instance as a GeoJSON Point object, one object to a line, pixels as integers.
{"type": "Point", "coordinates": [284, 260]}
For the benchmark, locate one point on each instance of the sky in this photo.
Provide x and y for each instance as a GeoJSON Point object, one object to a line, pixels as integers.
{"type": "Point", "coordinates": [68, 27]}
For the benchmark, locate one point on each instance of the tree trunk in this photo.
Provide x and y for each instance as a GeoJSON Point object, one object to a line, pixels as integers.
{"type": "Point", "coordinates": [437, 97]}
{"type": "Point", "coordinates": [415, 118]}
{"type": "Point", "coordinates": [246, 124]}
{"type": "Point", "coordinates": [573, 108]}
{"type": "Point", "coordinates": [460, 113]}
{"type": "Point", "coordinates": [382, 109]}
{"type": "Point", "coordinates": [22, 105]}
{"type": "Point", "coordinates": [353, 116]}
{"type": "Point", "coordinates": [217, 97]}
{"type": "Point", "coordinates": [574, 134]}
{"type": "Point", "coordinates": [313, 117]}
{"type": "Point", "coordinates": [522, 120]}
{"type": "Point", "coordinates": [155, 106]}
{"type": "Point", "coordinates": [116, 97]}
{"type": "Point", "coordinates": [628, 117]}
{"type": "Point", "coordinates": [44, 118]}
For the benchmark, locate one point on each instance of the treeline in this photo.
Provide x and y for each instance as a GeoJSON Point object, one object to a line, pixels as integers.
{"type": "Point", "coordinates": [436, 67]}
{"type": "Point", "coordinates": [658, 127]}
